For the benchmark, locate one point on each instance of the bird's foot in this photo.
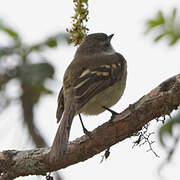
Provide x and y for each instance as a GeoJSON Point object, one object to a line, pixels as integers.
{"type": "Point", "coordinates": [86, 132]}
{"type": "Point", "coordinates": [112, 112]}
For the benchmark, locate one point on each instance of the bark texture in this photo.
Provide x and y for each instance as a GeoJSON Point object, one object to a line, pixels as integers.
{"type": "Point", "coordinates": [159, 102]}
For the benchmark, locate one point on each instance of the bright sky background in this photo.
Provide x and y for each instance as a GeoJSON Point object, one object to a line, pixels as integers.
{"type": "Point", "coordinates": [148, 65]}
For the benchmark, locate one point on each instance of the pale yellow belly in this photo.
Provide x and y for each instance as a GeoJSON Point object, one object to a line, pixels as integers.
{"type": "Point", "coordinates": [107, 98]}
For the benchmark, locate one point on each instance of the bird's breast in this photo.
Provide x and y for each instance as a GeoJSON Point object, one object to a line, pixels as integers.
{"type": "Point", "coordinates": [109, 97]}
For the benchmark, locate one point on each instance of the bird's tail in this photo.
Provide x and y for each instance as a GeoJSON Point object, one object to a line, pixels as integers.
{"type": "Point", "coordinates": [62, 135]}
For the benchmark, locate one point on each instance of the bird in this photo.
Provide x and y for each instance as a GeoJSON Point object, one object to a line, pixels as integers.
{"type": "Point", "coordinates": [93, 82]}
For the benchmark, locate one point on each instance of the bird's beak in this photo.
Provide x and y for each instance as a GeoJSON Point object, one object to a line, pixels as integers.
{"type": "Point", "coordinates": [110, 37]}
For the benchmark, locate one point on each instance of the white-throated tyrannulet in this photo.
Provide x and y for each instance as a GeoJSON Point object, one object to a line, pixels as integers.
{"type": "Point", "coordinates": [96, 78]}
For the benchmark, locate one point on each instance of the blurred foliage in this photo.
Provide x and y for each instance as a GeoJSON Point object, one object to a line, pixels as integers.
{"type": "Point", "coordinates": [168, 130]}
{"type": "Point", "coordinates": [165, 26]}
{"type": "Point", "coordinates": [16, 63]}
{"type": "Point", "coordinates": [14, 35]}
{"type": "Point", "coordinates": [79, 30]}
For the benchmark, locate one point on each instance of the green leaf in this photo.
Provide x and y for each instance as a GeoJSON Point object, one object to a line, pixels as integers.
{"type": "Point", "coordinates": [167, 129]}
{"type": "Point", "coordinates": [51, 43]}
{"type": "Point", "coordinates": [160, 18]}
{"type": "Point", "coordinates": [153, 23]}
{"type": "Point", "coordinates": [167, 27]}
{"type": "Point", "coordinates": [38, 91]}
{"type": "Point", "coordinates": [46, 91]}
{"type": "Point", "coordinates": [32, 78]}
{"type": "Point", "coordinates": [35, 73]}
{"type": "Point", "coordinates": [160, 36]}
{"type": "Point", "coordinates": [174, 40]}
{"type": "Point", "coordinates": [12, 33]}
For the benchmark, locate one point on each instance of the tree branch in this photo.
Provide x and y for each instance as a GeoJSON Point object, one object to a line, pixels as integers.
{"type": "Point", "coordinates": [159, 102]}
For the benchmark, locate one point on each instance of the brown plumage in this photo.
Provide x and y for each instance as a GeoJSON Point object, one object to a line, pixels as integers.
{"type": "Point", "coordinates": [95, 78]}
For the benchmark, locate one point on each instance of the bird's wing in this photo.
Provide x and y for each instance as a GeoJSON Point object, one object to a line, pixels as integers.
{"type": "Point", "coordinates": [60, 108]}
{"type": "Point", "coordinates": [96, 79]}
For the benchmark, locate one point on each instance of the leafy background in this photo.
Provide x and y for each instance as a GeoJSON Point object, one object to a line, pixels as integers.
{"type": "Point", "coordinates": [34, 54]}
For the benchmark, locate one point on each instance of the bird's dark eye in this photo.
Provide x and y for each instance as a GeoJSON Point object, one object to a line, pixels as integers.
{"type": "Point", "coordinates": [106, 44]}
